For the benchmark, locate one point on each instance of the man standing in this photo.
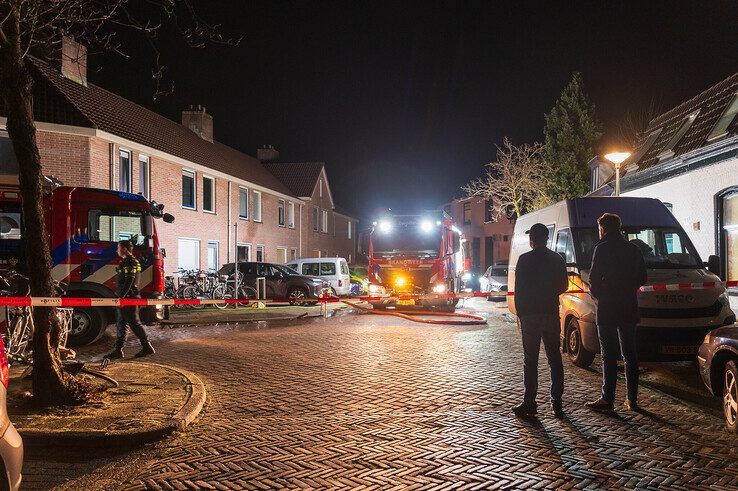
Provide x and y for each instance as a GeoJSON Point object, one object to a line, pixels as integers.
{"type": "Point", "coordinates": [128, 273]}
{"type": "Point", "coordinates": [540, 277]}
{"type": "Point", "coordinates": [618, 271]}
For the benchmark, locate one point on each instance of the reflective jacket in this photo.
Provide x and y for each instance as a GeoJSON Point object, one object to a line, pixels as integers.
{"type": "Point", "coordinates": [128, 274]}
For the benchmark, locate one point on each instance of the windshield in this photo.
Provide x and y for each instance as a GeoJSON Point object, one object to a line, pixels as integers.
{"type": "Point", "coordinates": [10, 221]}
{"type": "Point", "coordinates": [285, 270]}
{"type": "Point", "coordinates": [405, 241]}
{"type": "Point", "coordinates": [662, 247]}
{"type": "Point", "coordinates": [115, 225]}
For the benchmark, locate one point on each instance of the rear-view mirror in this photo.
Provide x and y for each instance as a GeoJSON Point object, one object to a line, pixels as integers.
{"type": "Point", "coordinates": [168, 218]}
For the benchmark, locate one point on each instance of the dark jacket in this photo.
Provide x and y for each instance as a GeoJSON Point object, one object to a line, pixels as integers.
{"type": "Point", "coordinates": [129, 272]}
{"type": "Point", "coordinates": [618, 270]}
{"type": "Point", "coordinates": [540, 277]}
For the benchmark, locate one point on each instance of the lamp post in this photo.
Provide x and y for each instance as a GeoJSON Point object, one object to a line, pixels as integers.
{"type": "Point", "coordinates": [617, 159]}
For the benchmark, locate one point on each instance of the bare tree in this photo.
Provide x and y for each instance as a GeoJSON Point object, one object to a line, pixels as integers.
{"type": "Point", "coordinates": [515, 181]}
{"type": "Point", "coordinates": [35, 27]}
{"type": "Point", "coordinates": [634, 124]}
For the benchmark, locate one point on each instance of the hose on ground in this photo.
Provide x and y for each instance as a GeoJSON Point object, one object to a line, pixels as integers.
{"type": "Point", "coordinates": [405, 314]}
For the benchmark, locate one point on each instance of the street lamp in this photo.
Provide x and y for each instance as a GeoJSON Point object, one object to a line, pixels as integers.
{"type": "Point", "coordinates": [617, 158]}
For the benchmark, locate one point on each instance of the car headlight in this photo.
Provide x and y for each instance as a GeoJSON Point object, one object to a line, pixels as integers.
{"type": "Point", "coordinates": [375, 288]}
{"type": "Point", "coordinates": [440, 288]}
{"type": "Point", "coordinates": [467, 276]}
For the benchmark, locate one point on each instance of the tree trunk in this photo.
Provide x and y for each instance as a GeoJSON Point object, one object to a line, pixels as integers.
{"type": "Point", "coordinates": [50, 384]}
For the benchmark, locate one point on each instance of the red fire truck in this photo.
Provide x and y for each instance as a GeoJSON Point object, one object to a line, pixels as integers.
{"type": "Point", "coordinates": [83, 226]}
{"type": "Point", "coordinates": [415, 254]}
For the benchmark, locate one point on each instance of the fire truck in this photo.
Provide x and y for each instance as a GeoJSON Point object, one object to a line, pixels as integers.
{"type": "Point", "coordinates": [83, 227]}
{"type": "Point", "coordinates": [414, 254]}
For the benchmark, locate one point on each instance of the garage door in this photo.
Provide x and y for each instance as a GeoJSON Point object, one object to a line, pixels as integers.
{"type": "Point", "coordinates": [188, 254]}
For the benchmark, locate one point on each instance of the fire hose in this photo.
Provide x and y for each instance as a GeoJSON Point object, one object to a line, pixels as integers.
{"type": "Point", "coordinates": [406, 314]}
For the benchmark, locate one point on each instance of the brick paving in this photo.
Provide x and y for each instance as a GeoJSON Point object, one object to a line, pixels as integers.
{"type": "Point", "coordinates": [372, 403]}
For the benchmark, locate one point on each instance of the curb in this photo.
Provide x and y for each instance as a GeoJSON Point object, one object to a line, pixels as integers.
{"type": "Point", "coordinates": [117, 439]}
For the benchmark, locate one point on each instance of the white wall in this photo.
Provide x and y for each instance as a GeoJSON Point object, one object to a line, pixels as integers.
{"type": "Point", "coordinates": [693, 198]}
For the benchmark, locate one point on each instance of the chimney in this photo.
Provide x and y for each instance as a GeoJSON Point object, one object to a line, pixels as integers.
{"type": "Point", "coordinates": [267, 153]}
{"type": "Point", "coordinates": [72, 59]}
{"type": "Point", "coordinates": [199, 122]}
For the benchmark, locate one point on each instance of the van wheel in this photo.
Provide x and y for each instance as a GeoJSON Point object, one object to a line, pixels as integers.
{"type": "Point", "coordinates": [88, 325]}
{"type": "Point", "coordinates": [730, 396]}
{"type": "Point", "coordinates": [578, 354]}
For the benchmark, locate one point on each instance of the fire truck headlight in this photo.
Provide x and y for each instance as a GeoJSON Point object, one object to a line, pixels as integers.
{"type": "Point", "coordinates": [426, 226]}
{"type": "Point", "coordinates": [440, 288]}
{"type": "Point", "coordinates": [385, 226]}
{"type": "Point", "coordinates": [400, 281]}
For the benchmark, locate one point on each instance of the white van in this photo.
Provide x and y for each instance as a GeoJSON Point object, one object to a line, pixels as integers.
{"type": "Point", "coordinates": [673, 323]}
{"type": "Point", "coordinates": [334, 270]}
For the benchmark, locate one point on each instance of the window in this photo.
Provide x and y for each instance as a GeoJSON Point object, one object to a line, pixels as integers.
{"type": "Point", "coordinates": [721, 127]}
{"type": "Point", "coordinates": [243, 203]}
{"type": "Point", "coordinates": [260, 254]}
{"type": "Point", "coordinates": [280, 213]}
{"type": "Point", "coordinates": [320, 187]}
{"type": "Point", "coordinates": [188, 254]}
{"type": "Point", "coordinates": [327, 269]}
{"type": "Point", "coordinates": [10, 223]}
{"type": "Point", "coordinates": [293, 254]}
{"type": "Point", "coordinates": [565, 245]}
{"type": "Point", "coordinates": [344, 267]}
{"type": "Point", "coordinates": [291, 215]}
{"type": "Point", "coordinates": [668, 151]}
{"type": "Point", "coordinates": [324, 222]}
{"type": "Point", "coordinates": [124, 171]}
{"type": "Point", "coordinates": [489, 215]}
{"type": "Point", "coordinates": [467, 213]}
{"type": "Point", "coordinates": [213, 256]}
{"type": "Point", "coordinates": [188, 189]}
{"type": "Point", "coordinates": [311, 269]}
{"type": "Point", "coordinates": [349, 229]}
{"type": "Point", "coordinates": [669, 207]}
{"type": "Point", "coordinates": [727, 246]}
{"type": "Point", "coordinates": [8, 162]}
{"type": "Point", "coordinates": [208, 194]}
{"type": "Point", "coordinates": [244, 253]}
{"type": "Point", "coordinates": [642, 149]}
{"type": "Point", "coordinates": [112, 226]}
{"type": "Point", "coordinates": [315, 219]}
{"type": "Point", "coordinates": [281, 255]}
{"type": "Point", "coordinates": [550, 242]}
{"type": "Point", "coordinates": [257, 206]}
{"type": "Point", "coordinates": [594, 182]}
{"type": "Point", "coordinates": [143, 176]}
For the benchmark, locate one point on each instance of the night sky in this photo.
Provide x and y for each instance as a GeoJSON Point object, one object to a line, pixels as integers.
{"type": "Point", "coordinates": [405, 101]}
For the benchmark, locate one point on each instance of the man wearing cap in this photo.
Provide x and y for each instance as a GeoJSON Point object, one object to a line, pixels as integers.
{"type": "Point", "coordinates": [540, 277]}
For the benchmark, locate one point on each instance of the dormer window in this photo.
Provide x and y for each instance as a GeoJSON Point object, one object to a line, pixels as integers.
{"type": "Point", "coordinates": [721, 127]}
{"type": "Point", "coordinates": [668, 151]}
{"type": "Point", "coordinates": [633, 160]}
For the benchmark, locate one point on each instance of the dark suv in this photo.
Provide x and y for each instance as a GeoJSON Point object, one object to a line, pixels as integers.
{"type": "Point", "coordinates": [281, 281]}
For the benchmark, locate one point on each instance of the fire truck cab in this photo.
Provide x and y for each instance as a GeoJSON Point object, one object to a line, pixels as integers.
{"type": "Point", "coordinates": [83, 226]}
{"type": "Point", "coordinates": [414, 255]}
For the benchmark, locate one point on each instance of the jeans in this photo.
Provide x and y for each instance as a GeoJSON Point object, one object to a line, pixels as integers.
{"type": "Point", "coordinates": [128, 317]}
{"type": "Point", "coordinates": [537, 328]}
{"type": "Point", "coordinates": [609, 336]}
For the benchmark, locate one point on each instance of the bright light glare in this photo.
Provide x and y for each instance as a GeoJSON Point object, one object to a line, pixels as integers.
{"type": "Point", "coordinates": [426, 226]}
{"type": "Point", "coordinates": [400, 281]}
{"type": "Point", "coordinates": [617, 157]}
{"type": "Point", "coordinates": [385, 226]}
{"type": "Point", "coordinates": [375, 288]}
{"type": "Point", "coordinates": [440, 288]}
{"type": "Point", "coordinates": [466, 277]}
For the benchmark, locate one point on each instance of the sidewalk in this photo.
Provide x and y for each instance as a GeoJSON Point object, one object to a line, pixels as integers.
{"type": "Point", "coordinates": [212, 315]}
{"type": "Point", "coordinates": [151, 401]}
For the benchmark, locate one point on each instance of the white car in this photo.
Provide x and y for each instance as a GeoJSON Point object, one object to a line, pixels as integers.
{"type": "Point", "coordinates": [494, 280]}
{"type": "Point", "coordinates": [334, 270]}
{"type": "Point", "coordinates": [11, 444]}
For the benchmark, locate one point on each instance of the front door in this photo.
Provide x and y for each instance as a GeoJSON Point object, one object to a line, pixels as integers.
{"type": "Point", "coordinates": [729, 233]}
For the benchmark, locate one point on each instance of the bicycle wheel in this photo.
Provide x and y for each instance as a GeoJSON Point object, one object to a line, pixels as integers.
{"type": "Point", "coordinates": [190, 293]}
{"type": "Point", "coordinates": [220, 292]}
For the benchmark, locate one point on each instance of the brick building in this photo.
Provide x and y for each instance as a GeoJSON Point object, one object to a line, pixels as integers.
{"type": "Point", "coordinates": [225, 202]}
{"type": "Point", "coordinates": [688, 159]}
{"type": "Point", "coordinates": [487, 236]}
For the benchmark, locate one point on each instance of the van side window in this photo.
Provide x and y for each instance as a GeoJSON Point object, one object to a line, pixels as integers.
{"type": "Point", "coordinates": [550, 243]}
{"type": "Point", "coordinates": [344, 268]}
{"type": "Point", "coordinates": [327, 269]}
{"type": "Point", "coordinates": [565, 245]}
{"type": "Point", "coordinates": [311, 269]}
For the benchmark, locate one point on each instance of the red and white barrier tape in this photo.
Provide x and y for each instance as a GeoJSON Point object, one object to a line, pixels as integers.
{"type": "Point", "coordinates": [143, 302]}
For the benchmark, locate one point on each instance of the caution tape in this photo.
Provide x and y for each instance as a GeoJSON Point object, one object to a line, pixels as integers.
{"type": "Point", "coordinates": [146, 302]}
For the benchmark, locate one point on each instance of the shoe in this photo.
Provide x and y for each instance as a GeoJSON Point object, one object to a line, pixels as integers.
{"type": "Point", "coordinates": [600, 405]}
{"type": "Point", "coordinates": [558, 410]}
{"type": "Point", "coordinates": [146, 349]}
{"type": "Point", "coordinates": [524, 410]}
{"type": "Point", "coordinates": [631, 405]}
{"type": "Point", "coordinates": [114, 354]}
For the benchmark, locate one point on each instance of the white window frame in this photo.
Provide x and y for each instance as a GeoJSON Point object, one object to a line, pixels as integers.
{"type": "Point", "coordinates": [260, 247]}
{"type": "Point", "coordinates": [194, 190]}
{"type": "Point", "coordinates": [349, 228]}
{"type": "Point", "coordinates": [721, 126]}
{"type": "Point", "coordinates": [199, 251]}
{"type": "Point", "coordinates": [217, 253]}
{"type": "Point", "coordinates": [316, 219]}
{"type": "Point", "coordinates": [248, 202]}
{"type": "Point", "coordinates": [293, 254]}
{"type": "Point", "coordinates": [248, 247]}
{"type": "Point", "coordinates": [279, 249]}
{"type": "Point", "coordinates": [320, 187]}
{"type": "Point", "coordinates": [257, 210]}
{"type": "Point", "coordinates": [324, 221]}
{"type": "Point", "coordinates": [212, 193]}
{"type": "Point", "coordinates": [668, 151]}
{"type": "Point", "coordinates": [144, 184]}
{"type": "Point", "coordinates": [281, 212]}
{"type": "Point", "coordinates": [122, 151]}
{"type": "Point", "coordinates": [291, 214]}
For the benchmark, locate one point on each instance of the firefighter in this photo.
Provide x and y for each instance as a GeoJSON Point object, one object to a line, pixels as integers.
{"type": "Point", "coordinates": [128, 273]}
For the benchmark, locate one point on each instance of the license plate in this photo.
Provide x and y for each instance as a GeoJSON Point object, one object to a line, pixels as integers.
{"type": "Point", "coordinates": [678, 350]}
{"type": "Point", "coordinates": [406, 302]}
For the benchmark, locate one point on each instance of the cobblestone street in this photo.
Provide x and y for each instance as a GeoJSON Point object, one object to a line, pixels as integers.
{"type": "Point", "coordinates": [360, 401]}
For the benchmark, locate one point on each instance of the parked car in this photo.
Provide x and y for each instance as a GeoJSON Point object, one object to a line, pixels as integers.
{"type": "Point", "coordinates": [281, 281]}
{"type": "Point", "coordinates": [334, 270]}
{"type": "Point", "coordinates": [359, 280]}
{"type": "Point", "coordinates": [718, 361]}
{"type": "Point", "coordinates": [11, 444]}
{"type": "Point", "coordinates": [494, 280]}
